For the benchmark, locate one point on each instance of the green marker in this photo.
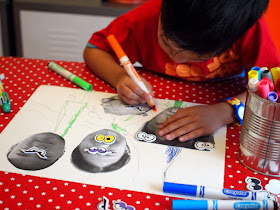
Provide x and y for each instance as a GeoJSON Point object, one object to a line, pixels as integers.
{"type": "Point", "coordinates": [68, 75]}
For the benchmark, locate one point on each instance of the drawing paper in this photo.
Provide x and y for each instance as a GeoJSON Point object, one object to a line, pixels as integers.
{"type": "Point", "coordinates": [74, 114]}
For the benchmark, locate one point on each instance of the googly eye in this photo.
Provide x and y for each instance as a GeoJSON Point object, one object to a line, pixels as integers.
{"type": "Point", "coordinates": [250, 187]}
{"type": "Point", "coordinates": [141, 135]}
{"type": "Point", "coordinates": [99, 138]}
{"type": "Point", "coordinates": [101, 150]}
{"type": "Point", "coordinates": [129, 106]}
{"type": "Point", "coordinates": [109, 139]}
{"type": "Point", "coordinates": [210, 146]}
{"type": "Point", "coordinates": [150, 138]}
{"type": "Point", "coordinates": [174, 111]}
{"type": "Point", "coordinates": [92, 150]}
{"type": "Point", "coordinates": [200, 145]}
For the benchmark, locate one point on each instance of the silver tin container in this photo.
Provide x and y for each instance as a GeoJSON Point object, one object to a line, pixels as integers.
{"type": "Point", "coordinates": [259, 148]}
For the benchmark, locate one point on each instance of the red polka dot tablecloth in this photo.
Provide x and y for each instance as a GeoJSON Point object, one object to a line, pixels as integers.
{"type": "Point", "coordinates": [24, 76]}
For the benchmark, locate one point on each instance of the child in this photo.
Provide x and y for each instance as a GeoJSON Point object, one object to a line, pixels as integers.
{"type": "Point", "coordinates": [196, 40]}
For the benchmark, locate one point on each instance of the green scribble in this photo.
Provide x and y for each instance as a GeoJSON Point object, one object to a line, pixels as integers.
{"type": "Point", "coordinates": [178, 103]}
{"type": "Point", "coordinates": [64, 113]}
{"type": "Point", "coordinates": [129, 118]}
{"type": "Point", "coordinates": [167, 104]}
{"type": "Point", "coordinates": [73, 119]}
{"type": "Point", "coordinates": [118, 129]}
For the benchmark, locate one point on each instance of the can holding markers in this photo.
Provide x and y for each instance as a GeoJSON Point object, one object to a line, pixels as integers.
{"type": "Point", "coordinates": [259, 148]}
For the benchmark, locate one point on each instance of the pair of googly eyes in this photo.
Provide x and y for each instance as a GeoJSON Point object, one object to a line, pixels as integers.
{"type": "Point", "coordinates": [204, 146]}
{"type": "Point", "coordinates": [253, 183]}
{"type": "Point", "coordinates": [140, 108]}
{"type": "Point", "coordinates": [109, 139]}
{"type": "Point", "coordinates": [143, 136]}
{"type": "Point", "coordinates": [100, 151]}
{"type": "Point", "coordinates": [174, 111]}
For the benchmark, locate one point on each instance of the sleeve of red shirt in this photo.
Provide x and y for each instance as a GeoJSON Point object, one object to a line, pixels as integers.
{"type": "Point", "coordinates": [257, 47]}
{"type": "Point", "coordinates": [123, 28]}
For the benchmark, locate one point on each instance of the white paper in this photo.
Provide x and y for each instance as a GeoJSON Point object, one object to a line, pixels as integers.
{"type": "Point", "coordinates": [51, 108]}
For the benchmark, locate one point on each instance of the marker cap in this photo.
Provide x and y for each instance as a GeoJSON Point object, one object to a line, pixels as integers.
{"type": "Point", "coordinates": [189, 204]}
{"type": "Point", "coordinates": [263, 88]}
{"type": "Point", "coordinates": [253, 84]}
{"type": "Point", "coordinates": [258, 69]}
{"type": "Point", "coordinates": [270, 83]}
{"type": "Point", "coordinates": [253, 74]}
{"type": "Point", "coordinates": [116, 46]}
{"type": "Point", "coordinates": [182, 189]}
{"type": "Point", "coordinates": [278, 86]}
{"type": "Point", "coordinates": [267, 74]}
{"type": "Point", "coordinates": [82, 83]}
{"type": "Point", "coordinates": [272, 96]}
{"type": "Point", "coordinates": [275, 72]}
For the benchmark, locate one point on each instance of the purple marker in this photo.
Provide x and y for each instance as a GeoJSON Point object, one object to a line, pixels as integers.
{"type": "Point", "coordinates": [272, 96]}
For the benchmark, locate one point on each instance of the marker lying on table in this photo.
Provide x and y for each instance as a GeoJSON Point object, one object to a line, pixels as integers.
{"type": "Point", "coordinates": [223, 204]}
{"type": "Point", "coordinates": [5, 102]}
{"type": "Point", "coordinates": [125, 62]}
{"type": "Point", "coordinates": [68, 75]}
{"type": "Point", "coordinates": [215, 193]}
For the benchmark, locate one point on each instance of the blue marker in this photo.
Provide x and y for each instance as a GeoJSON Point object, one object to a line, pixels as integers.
{"type": "Point", "coordinates": [223, 204]}
{"type": "Point", "coordinates": [258, 69]}
{"type": "Point", "coordinates": [214, 193]}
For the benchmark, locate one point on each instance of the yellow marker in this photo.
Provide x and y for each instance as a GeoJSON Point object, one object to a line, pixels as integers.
{"type": "Point", "coordinates": [275, 72]}
{"type": "Point", "coordinates": [253, 74]}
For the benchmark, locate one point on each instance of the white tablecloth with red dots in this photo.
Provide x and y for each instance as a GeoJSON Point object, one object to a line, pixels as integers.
{"type": "Point", "coordinates": [23, 76]}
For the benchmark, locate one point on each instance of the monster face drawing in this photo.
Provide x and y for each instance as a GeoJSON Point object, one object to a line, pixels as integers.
{"type": "Point", "coordinates": [149, 133]}
{"type": "Point", "coordinates": [114, 105]}
{"type": "Point", "coordinates": [37, 151]}
{"type": "Point", "coordinates": [102, 151]}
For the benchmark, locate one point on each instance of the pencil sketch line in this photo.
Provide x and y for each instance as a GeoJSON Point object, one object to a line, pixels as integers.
{"type": "Point", "coordinates": [63, 114]}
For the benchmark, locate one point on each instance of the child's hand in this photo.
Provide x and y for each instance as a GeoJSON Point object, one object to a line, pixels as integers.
{"type": "Point", "coordinates": [196, 121]}
{"type": "Point", "coordinates": [129, 91]}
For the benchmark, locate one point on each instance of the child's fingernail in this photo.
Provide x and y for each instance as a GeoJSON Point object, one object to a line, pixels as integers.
{"type": "Point", "coordinates": [160, 133]}
{"type": "Point", "coordinates": [183, 139]}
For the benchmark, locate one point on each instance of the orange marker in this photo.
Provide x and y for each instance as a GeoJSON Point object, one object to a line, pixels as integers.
{"type": "Point", "coordinates": [129, 67]}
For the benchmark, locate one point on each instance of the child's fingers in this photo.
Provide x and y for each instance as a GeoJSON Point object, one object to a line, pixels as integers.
{"type": "Point", "coordinates": [178, 128]}
{"type": "Point", "coordinates": [128, 100]}
{"type": "Point", "coordinates": [173, 118]}
{"type": "Point", "coordinates": [130, 95]}
{"type": "Point", "coordinates": [181, 131]}
{"type": "Point", "coordinates": [192, 135]}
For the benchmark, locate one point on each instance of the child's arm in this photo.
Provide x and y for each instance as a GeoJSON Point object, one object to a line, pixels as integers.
{"type": "Point", "coordinates": [104, 66]}
{"type": "Point", "coordinates": [196, 121]}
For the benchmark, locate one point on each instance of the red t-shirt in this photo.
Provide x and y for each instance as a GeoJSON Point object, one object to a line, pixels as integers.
{"type": "Point", "coordinates": [136, 31]}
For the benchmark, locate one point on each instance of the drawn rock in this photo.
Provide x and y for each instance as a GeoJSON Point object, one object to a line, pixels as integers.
{"type": "Point", "coordinates": [37, 152]}
{"type": "Point", "coordinates": [149, 133]}
{"type": "Point", "coordinates": [102, 151]}
{"type": "Point", "coordinates": [114, 105]}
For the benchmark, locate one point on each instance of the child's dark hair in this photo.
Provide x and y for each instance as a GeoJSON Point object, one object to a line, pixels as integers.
{"type": "Point", "coordinates": [209, 26]}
